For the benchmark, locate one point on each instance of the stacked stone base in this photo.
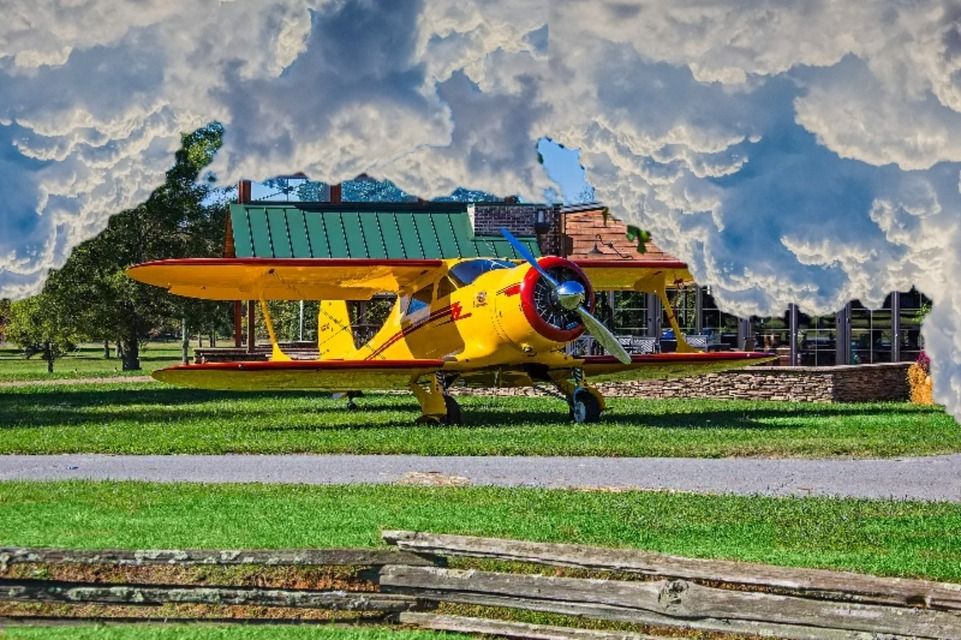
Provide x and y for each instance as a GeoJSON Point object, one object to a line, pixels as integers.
{"type": "Point", "coordinates": [854, 383]}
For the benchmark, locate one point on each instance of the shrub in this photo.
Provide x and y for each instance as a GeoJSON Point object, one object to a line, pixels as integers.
{"type": "Point", "coordinates": [919, 379]}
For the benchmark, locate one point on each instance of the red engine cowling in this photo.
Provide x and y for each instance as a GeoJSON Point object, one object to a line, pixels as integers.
{"type": "Point", "coordinates": [541, 307]}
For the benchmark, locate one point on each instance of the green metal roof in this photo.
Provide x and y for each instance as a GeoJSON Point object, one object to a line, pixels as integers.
{"type": "Point", "coordinates": [393, 231]}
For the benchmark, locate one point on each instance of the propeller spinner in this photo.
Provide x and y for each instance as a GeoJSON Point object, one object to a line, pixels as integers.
{"type": "Point", "coordinates": [571, 296]}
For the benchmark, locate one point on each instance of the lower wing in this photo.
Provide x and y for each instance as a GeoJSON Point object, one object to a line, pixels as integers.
{"type": "Point", "coordinates": [354, 375]}
{"type": "Point", "coordinates": [302, 375]}
{"type": "Point", "coordinates": [658, 366]}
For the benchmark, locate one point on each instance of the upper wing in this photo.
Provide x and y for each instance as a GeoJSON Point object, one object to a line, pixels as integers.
{"type": "Point", "coordinates": [636, 275]}
{"type": "Point", "coordinates": [282, 279]}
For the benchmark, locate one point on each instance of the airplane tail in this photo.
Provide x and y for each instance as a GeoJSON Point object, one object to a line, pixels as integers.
{"type": "Point", "coordinates": [335, 337]}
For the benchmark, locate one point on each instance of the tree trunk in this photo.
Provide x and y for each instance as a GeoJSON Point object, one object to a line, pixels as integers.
{"type": "Point", "coordinates": [184, 342]}
{"type": "Point", "coordinates": [48, 356]}
{"type": "Point", "coordinates": [106, 349]}
{"type": "Point", "coordinates": [213, 340]}
{"type": "Point", "coordinates": [131, 355]}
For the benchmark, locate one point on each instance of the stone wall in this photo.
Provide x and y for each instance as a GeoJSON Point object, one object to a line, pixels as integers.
{"type": "Point", "coordinates": [854, 383]}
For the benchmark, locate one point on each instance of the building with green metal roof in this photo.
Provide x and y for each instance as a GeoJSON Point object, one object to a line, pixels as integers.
{"type": "Point", "coordinates": [392, 231]}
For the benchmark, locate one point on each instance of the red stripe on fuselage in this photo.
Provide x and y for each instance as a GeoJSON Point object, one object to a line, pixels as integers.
{"type": "Point", "coordinates": [453, 310]}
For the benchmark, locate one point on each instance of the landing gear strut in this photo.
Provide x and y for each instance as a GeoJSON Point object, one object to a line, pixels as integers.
{"type": "Point", "coordinates": [351, 405]}
{"type": "Point", "coordinates": [584, 401]}
{"type": "Point", "coordinates": [436, 405]}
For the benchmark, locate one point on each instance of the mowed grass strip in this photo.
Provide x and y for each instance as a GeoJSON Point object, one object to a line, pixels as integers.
{"type": "Point", "coordinates": [206, 631]}
{"type": "Point", "coordinates": [86, 362]}
{"type": "Point", "coordinates": [150, 418]}
{"type": "Point", "coordinates": [878, 537]}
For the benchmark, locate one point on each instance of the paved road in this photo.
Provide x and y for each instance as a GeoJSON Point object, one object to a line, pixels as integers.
{"type": "Point", "coordinates": [931, 478]}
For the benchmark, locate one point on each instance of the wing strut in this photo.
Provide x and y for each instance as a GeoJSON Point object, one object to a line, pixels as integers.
{"type": "Point", "coordinates": [276, 354]}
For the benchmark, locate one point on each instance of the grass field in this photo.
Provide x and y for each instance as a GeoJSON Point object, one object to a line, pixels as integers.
{"type": "Point", "coordinates": [219, 632]}
{"type": "Point", "coordinates": [86, 361]}
{"type": "Point", "coordinates": [881, 537]}
{"type": "Point", "coordinates": [155, 419]}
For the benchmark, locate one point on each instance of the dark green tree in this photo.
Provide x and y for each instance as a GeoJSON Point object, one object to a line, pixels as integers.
{"type": "Point", "coordinates": [92, 293]}
{"type": "Point", "coordinates": [4, 317]}
{"type": "Point", "coordinates": [34, 325]}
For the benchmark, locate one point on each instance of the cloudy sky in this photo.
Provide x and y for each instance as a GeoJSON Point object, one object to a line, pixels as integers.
{"type": "Point", "coordinates": [790, 151]}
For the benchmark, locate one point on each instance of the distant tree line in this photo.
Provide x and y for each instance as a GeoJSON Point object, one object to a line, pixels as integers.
{"type": "Point", "coordinates": [91, 298]}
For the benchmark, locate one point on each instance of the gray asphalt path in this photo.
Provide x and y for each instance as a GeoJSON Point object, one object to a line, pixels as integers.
{"type": "Point", "coordinates": [929, 478]}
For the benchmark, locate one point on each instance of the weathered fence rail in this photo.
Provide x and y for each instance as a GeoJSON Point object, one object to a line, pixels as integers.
{"type": "Point", "coordinates": [126, 594]}
{"type": "Point", "coordinates": [408, 583]}
{"type": "Point", "coordinates": [816, 583]}
{"type": "Point", "coordinates": [265, 557]}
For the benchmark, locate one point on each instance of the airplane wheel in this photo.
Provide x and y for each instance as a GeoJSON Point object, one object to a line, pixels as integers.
{"type": "Point", "coordinates": [454, 413]}
{"type": "Point", "coordinates": [351, 405]}
{"type": "Point", "coordinates": [585, 407]}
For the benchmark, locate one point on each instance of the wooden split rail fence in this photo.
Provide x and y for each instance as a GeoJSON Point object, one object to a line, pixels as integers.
{"type": "Point", "coordinates": [415, 585]}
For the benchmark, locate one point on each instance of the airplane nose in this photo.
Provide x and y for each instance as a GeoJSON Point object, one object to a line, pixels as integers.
{"type": "Point", "coordinates": [571, 294]}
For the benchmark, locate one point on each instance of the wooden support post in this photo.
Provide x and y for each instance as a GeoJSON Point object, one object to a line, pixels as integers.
{"type": "Point", "coordinates": [251, 326]}
{"type": "Point", "coordinates": [238, 324]}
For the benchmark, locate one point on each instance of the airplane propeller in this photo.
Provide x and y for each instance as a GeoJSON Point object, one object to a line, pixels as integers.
{"type": "Point", "coordinates": [571, 295]}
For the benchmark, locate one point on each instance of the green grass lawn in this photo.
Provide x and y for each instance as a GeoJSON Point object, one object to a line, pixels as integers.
{"type": "Point", "coordinates": [219, 632]}
{"type": "Point", "coordinates": [879, 537]}
{"type": "Point", "coordinates": [86, 362]}
{"type": "Point", "coordinates": [151, 418]}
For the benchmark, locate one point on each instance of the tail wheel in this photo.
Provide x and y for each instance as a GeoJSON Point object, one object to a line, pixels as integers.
{"type": "Point", "coordinates": [585, 407]}
{"type": "Point", "coordinates": [454, 413]}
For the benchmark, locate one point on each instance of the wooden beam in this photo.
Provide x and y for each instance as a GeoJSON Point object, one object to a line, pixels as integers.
{"type": "Point", "coordinates": [121, 594]}
{"type": "Point", "coordinates": [251, 327]}
{"type": "Point", "coordinates": [838, 585]}
{"type": "Point", "coordinates": [238, 324]}
{"type": "Point", "coordinates": [676, 603]}
{"type": "Point", "coordinates": [269, 557]}
{"type": "Point", "coordinates": [520, 630]}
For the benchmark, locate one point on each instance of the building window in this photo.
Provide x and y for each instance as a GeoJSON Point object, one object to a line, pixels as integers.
{"type": "Point", "coordinates": [817, 340]}
{"type": "Point", "coordinates": [719, 327]}
{"type": "Point", "coordinates": [630, 313]}
{"type": "Point", "coordinates": [871, 333]}
{"type": "Point", "coordinates": [913, 307]}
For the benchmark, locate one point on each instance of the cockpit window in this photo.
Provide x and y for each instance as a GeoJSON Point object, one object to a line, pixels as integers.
{"type": "Point", "coordinates": [466, 272]}
{"type": "Point", "coordinates": [419, 302]}
{"type": "Point", "coordinates": [445, 287]}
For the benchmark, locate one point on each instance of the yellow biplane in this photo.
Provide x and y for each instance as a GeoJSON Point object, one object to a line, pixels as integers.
{"type": "Point", "coordinates": [471, 321]}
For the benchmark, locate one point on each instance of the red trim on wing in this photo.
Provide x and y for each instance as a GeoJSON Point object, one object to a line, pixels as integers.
{"type": "Point", "coordinates": [701, 356]}
{"type": "Point", "coordinates": [530, 311]}
{"type": "Point", "coordinates": [291, 262]}
{"type": "Point", "coordinates": [308, 365]}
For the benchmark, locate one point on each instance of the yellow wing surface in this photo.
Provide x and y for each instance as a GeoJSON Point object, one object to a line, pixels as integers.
{"type": "Point", "coordinates": [300, 375]}
{"type": "Point", "coordinates": [634, 275]}
{"type": "Point", "coordinates": [284, 278]}
{"type": "Point", "coordinates": [351, 375]}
